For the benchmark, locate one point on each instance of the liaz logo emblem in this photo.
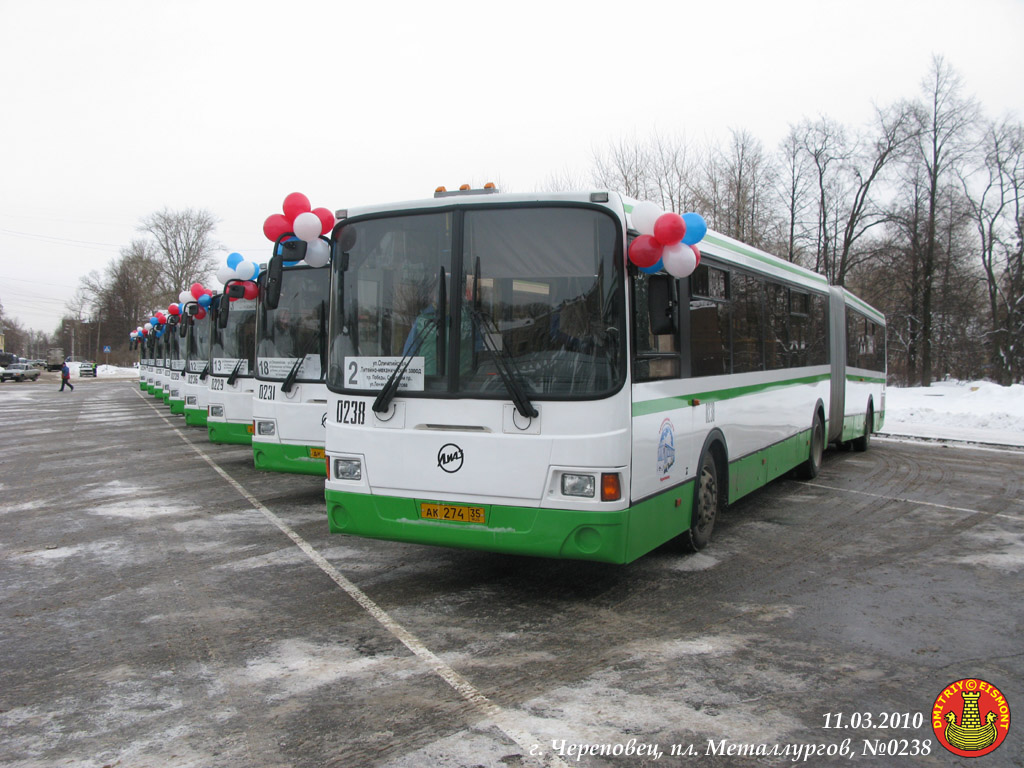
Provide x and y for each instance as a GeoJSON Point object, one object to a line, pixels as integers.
{"type": "Point", "coordinates": [449, 458]}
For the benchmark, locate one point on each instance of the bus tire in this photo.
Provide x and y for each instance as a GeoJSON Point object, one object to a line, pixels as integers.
{"type": "Point", "coordinates": [863, 442]}
{"type": "Point", "coordinates": [707, 499]}
{"type": "Point", "coordinates": [810, 468]}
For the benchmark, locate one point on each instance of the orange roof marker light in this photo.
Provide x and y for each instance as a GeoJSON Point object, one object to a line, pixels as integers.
{"type": "Point", "coordinates": [466, 189]}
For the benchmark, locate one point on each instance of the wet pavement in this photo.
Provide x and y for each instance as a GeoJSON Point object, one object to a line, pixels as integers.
{"type": "Point", "coordinates": [164, 604]}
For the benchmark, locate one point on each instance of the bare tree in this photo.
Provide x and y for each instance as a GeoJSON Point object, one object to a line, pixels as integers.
{"type": "Point", "coordinates": [794, 189]}
{"type": "Point", "coordinates": [996, 205]}
{"type": "Point", "coordinates": [626, 167]}
{"type": "Point", "coordinates": [945, 121]}
{"type": "Point", "coordinates": [185, 241]}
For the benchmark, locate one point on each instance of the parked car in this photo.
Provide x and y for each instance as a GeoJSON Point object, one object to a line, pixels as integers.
{"type": "Point", "coordinates": [87, 369]}
{"type": "Point", "coordinates": [19, 372]}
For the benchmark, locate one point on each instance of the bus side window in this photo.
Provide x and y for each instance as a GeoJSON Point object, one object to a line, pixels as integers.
{"type": "Point", "coordinates": [747, 354]}
{"type": "Point", "coordinates": [709, 322]}
{"type": "Point", "coordinates": [817, 337]}
{"type": "Point", "coordinates": [776, 342]}
{"type": "Point", "coordinates": [657, 354]}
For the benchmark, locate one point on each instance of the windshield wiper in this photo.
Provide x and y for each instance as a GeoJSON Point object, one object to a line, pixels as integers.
{"type": "Point", "coordinates": [206, 372]}
{"type": "Point", "coordinates": [234, 374]}
{"type": "Point", "coordinates": [390, 388]}
{"type": "Point", "coordinates": [510, 374]}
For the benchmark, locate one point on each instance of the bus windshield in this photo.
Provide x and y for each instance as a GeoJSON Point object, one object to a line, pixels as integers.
{"type": "Point", "coordinates": [295, 333]}
{"type": "Point", "coordinates": [479, 301]}
{"type": "Point", "coordinates": [232, 348]}
{"type": "Point", "coordinates": [198, 345]}
{"type": "Point", "coordinates": [175, 348]}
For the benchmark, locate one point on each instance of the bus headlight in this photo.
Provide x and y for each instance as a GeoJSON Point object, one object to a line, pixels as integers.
{"type": "Point", "coordinates": [578, 485]}
{"type": "Point", "coordinates": [265, 428]}
{"type": "Point", "coordinates": [217, 411]}
{"type": "Point", "coordinates": [348, 469]}
{"type": "Point", "coordinates": [175, 393]}
{"type": "Point", "coordinates": [190, 400]}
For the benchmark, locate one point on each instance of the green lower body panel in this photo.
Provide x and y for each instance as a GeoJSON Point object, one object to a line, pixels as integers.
{"type": "Point", "coordinates": [143, 387]}
{"type": "Point", "coordinates": [165, 396]}
{"type": "Point", "coordinates": [615, 536]}
{"type": "Point", "coordinates": [195, 417]}
{"type": "Point", "coordinates": [226, 432]}
{"type": "Point", "coordinates": [276, 457]}
{"type": "Point", "coordinates": [177, 406]}
{"type": "Point", "coordinates": [753, 471]}
{"type": "Point", "coordinates": [157, 393]}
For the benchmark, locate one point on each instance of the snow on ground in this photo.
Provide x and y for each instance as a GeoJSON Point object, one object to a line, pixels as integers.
{"type": "Point", "coordinates": [975, 411]}
{"type": "Point", "coordinates": [104, 371]}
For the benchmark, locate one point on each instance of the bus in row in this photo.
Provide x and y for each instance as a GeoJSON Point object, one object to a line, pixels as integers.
{"type": "Point", "coordinates": [501, 378]}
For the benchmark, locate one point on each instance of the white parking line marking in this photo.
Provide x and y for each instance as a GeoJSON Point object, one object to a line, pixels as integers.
{"type": "Point", "coordinates": [912, 501]}
{"type": "Point", "coordinates": [504, 720]}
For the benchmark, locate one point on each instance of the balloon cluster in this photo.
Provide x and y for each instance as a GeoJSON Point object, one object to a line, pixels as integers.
{"type": "Point", "coordinates": [195, 293]}
{"type": "Point", "coordinates": [237, 268]}
{"type": "Point", "coordinates": [667, 241]}
{"type": "Point", "coordinates": [305, 223]}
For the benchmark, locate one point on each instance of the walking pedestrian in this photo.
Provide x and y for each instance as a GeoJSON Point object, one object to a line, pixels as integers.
{"type": "Point", "coordinates": [65, 377]}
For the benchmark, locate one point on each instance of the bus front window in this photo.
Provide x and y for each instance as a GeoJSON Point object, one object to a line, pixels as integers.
{"type": "Point", "coordinates": [477, 298]}
{"type": "Point", "coordinates": [294, 332]}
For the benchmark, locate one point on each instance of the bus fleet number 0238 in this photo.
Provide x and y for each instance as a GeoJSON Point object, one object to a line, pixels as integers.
{"type": "Point", "coordinates": [352, 412]}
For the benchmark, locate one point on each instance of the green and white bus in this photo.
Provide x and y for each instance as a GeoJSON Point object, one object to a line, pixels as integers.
{"type": "Point", "coordinates": [502, 379]}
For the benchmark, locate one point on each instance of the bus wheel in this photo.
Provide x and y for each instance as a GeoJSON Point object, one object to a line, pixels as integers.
{"type": "Point", "coordinates": [810, 468]}
{"type": "Point", "coordinates": [706, 500]}
{"type": "Point", "coordinates": [861, 443]}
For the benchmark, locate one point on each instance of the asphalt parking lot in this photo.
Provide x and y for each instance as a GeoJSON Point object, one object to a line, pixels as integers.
{"type": "Point", "coordinates": [163, 604]}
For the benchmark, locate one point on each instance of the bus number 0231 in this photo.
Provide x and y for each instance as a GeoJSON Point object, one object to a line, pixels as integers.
{"type": "Point", "coordinates": [352, 412]}
{"type": "Point", "coordinates": [267, 391]}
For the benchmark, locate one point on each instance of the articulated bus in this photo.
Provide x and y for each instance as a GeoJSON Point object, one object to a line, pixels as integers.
{"type": "Point", "coordinates": [502, 380]}
{"type": "Point", "coordinates": [232, 345]}
{"type": "Point", "coordinates": [176, 372]}
{"type": "Point", "coordinates": [161, 364]}
{"type": "Point", "coordinates": [197, 369]}
{"type": "Point", "coordinates": [290, 408]}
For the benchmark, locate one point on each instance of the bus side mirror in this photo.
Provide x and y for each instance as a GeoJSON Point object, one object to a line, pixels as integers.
{"type": "Point", "coordinates": [183, 327]}
{"type": "Point", "coordinates": [272, 285]}
{"type": "Point", "coordinates": [661, 304]}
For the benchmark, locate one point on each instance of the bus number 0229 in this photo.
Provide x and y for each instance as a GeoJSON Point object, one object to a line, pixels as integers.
{"type": "Point", "coordinates": [351, 412]}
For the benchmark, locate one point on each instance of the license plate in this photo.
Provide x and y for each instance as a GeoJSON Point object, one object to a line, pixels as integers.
{"type": "Point", "coordinates": [250, 428]}
{"type": "Point", "coordinates": [454, 512]}
{"type": "Point", "coordinates": [316, 453]}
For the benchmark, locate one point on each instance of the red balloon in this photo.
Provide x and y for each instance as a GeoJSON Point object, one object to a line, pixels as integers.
{"type": "Point", "coordinates": [196, 290]}
{"type": "Point", "coordinates": [161, 317]}
{"type": "Point", "coordinates": [200, 313]}
{"type": "Point", "coordinates": [697, 254]}
{"type": "Point", "coordinates": [251, 291]}
{"type": "Point", "coordinates": [669, 228]}
{"type": "Point", "coordinates": [295, 204]}
{"type": "Point", "coordinates": [645, 251]}
{"type": "Point", "coordinates": [173, 310]}
{"type": "Point", "coordinates": [326, 219]}
{"type": "Point", "coordinates": [275, 226]}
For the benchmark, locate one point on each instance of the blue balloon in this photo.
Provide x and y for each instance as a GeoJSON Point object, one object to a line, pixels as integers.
{"type": "Point", "coordinates": [234, 260]}
{"type": "Point", "coordinates": [154, 321]}
{"type": "Point", "coordinates": [696, 228]}
{"type": "Point", "coordinates": [653, 269]}
{"type": "Point", "coordinates": [204, 301]}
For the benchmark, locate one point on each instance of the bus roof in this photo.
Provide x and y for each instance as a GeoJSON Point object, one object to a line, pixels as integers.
{"type": "Point", "coordinates": [613, 202]}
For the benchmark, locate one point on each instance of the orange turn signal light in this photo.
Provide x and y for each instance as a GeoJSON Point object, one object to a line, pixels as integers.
{"type": "Point", "coordinates": [464, 187]}
{"type": "Point", "coordinates": [440, 189]}
{"type": "Point", "coordinates": [611, 490]}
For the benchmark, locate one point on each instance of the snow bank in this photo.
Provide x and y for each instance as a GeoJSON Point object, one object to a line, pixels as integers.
{"type": "Point", "coordinates": [975, 411]}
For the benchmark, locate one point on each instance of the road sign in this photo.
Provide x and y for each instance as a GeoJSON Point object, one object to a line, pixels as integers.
{"type": "Point", "coordinates": [106, 350]}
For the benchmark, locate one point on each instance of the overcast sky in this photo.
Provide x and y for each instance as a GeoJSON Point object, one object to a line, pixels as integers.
{"type": "Point", "coordinates": [110, 111]}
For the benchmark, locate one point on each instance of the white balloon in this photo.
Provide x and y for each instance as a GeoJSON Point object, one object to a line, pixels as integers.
{"type": "Point", "coordinates": [149, 326]}
{"type": "Point", "coordinates": [679, 260]}
{"type": "Point", "coordinates": [185, 297]}
{"type": "Point", "coordinates": [245, 270]}
{"type": "Point", "coordinates": [318, 253]}
{"type": "Point", "coordinates": [224, 274]}
{"type": "Point", "coordinates": [307, 226]}
{"type": "Point", "coordinates": [643, 217]}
